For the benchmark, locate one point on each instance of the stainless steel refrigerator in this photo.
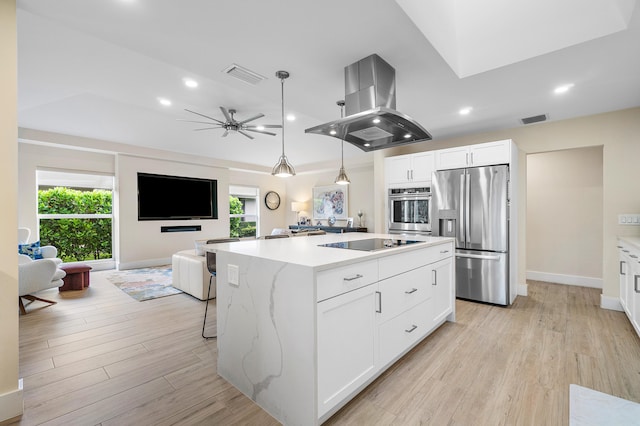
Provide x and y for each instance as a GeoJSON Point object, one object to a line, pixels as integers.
{"type": "Point", "coordinates": [472, 205]}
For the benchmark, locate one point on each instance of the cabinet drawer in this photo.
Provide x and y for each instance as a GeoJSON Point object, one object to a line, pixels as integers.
{"type": "Point", "coordinates": [401, 332]}
{"type": "Point", "coordinates": [399, 263]}
{"type": "Point", "coordinates": [402, 292]}
{"type": "Point", "coordinates": [340, 280]}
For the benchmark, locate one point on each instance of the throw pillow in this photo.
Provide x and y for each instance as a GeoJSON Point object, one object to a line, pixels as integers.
{"type": "Point", "coordinates": [31, 249]}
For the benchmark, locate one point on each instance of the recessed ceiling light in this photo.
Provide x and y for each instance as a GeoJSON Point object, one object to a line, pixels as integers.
{"type": "Point", "coordinates": [465, 110]}
{"type": "Point", "coordinates": [291, 117]}
{"type": "Point", "coordinates": [563, 89]}
{"type": "Point", "coordinates": [164, 101]}
{"type": "Point", "coordinates": [407, 136]}
{"type": "Point", "coordinates": [367, 144]}
{"type": "Point", "coordinates": [376, 120]}
{"type": "Point", "coordinates": [191, 83]}
{"type": "Point", "coordinates": [332, 132]}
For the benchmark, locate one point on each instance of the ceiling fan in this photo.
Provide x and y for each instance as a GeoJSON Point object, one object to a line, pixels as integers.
{"type": "Point", "coordinates": [231, 124]}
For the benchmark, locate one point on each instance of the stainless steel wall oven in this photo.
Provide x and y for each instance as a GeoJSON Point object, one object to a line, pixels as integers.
{"type": "Point", "coordinates": [409, 211]}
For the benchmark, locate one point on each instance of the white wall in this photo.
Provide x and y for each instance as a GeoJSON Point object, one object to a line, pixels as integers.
{"type": "Point", "coordinates": [564, 215]}
{"type": "Point", "coordinates": [360, 192]}
{"type": "Point", "coordinates": [10, 391]}
{"type": "Point", "coordinates": [140, 243]}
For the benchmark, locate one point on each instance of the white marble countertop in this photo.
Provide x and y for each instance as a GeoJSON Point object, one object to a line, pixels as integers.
{"type": "Point", "coordinates": [634, 241]}
{"type": "Point", "coordinates": [305, 250]}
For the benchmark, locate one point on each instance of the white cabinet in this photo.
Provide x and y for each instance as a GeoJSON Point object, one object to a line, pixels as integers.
{"type": "Point", "coordinates": [484, 154]}
{"type": "Point", "coordinates": [411, 169]}
{"type": "Point", "coordinates": [629, 275]}
{"type": "Point", "coordinates": [347, 336]}
{"type": "Point", "coordinates": [364, 326]}
{"type": "Point", "coordinates": [443, 290]}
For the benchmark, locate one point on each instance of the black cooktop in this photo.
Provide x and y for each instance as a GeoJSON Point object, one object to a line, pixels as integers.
{"type": "Point", "coordinates": [371, 244]}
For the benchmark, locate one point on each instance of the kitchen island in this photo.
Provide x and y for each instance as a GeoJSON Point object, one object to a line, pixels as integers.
{"type": "Point", "coordinates": [305, 323]}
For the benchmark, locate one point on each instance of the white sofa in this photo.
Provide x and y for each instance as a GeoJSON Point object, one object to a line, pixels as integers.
{"type": "Point", "coordinates": [190, 274]}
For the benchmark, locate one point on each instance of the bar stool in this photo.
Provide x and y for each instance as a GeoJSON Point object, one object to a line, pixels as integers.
{"type": "Point", "coordinates": [211, 267]}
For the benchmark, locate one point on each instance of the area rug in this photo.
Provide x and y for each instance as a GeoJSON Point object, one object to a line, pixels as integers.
{"type": "Point", "coordinates": [145, 283]}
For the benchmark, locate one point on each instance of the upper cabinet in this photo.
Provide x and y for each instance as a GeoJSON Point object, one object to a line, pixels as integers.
{"type": "Point", "coordinates": [409, 170]}
{"type": "Point", "coordinates": [474, 155]}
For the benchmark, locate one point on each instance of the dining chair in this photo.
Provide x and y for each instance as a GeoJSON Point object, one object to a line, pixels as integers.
{"type": "Point", "coordinates": [211, 267]}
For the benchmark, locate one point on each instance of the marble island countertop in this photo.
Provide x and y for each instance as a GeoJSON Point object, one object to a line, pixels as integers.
{"type": "Point", "coordinates": [307, 251]}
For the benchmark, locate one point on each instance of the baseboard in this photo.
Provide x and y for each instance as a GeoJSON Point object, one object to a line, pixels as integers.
{"type": "Point", "coordinates": [523, 290]}
{"type": "Point", "coordinates": [565, 279]}
{"type": "Point", "coordinates": [149, 263]}
{"type": "Point", "coordinates": [12, 403]}
{"type": "Point", "coordinates": [611, 303]}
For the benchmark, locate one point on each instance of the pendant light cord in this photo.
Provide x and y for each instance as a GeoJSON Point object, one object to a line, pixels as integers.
{"type": "Point", "coordinates": [282, 104]}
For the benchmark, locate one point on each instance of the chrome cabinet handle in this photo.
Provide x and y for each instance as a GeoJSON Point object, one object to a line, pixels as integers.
{"type": "Point", "coordinates": [353, 278]}
{"type": "Point", "coordinates": [408, 178]}
{"type": "Point", "coordinates": [410, 330]}
{"type": "Point", "coordinates": [379, 302]}
{"type": "Point", "coordinates": [472, 158]}
{"type": "Point", "coordinates": [434, 277]}
{"type": "Point", "coordinates": [413, 290]}
{"type": "Point", "coordinates": [466, 158]}
{"type": "Point", "coordinates": [635, 283]}
{"type": "Point", "coordinates": [621, 262]}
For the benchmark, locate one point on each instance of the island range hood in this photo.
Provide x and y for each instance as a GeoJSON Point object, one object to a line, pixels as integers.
{"type": "Point", "coordinates": [371, 120]}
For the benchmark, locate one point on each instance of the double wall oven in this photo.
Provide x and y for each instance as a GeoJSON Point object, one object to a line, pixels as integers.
{"type": "Point", "coordinates": [410, 211]}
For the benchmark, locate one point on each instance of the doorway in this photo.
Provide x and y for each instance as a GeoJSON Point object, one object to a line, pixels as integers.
{"type": "Point", "coordinates": [565, 216]}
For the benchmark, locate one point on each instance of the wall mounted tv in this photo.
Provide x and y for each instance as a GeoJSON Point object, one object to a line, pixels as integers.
{"type": "Point", "coordinates": [162, 197]}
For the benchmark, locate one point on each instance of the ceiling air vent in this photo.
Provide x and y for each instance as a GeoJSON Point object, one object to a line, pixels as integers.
{"type": "Point", "coordinates": [241, 73]}
{"type": "Point", "coordinates": [534, 119]}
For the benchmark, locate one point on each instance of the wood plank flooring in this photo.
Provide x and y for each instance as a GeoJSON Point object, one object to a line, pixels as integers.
{"type": "Point", "coordinates": [99, 357]}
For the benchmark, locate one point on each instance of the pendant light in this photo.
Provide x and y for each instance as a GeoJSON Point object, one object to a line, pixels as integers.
{"type": "Point", "coordinates": [342, 178]}
{"type": "Point", "coordinates": [283, 168]}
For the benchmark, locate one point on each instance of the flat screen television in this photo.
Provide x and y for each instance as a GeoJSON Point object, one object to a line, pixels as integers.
{"type": "Point", "coordinates": [162, 197]}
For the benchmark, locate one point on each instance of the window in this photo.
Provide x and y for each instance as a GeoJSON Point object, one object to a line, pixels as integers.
{"type": "Point", "coordinates": [243, 211]}
{"type": "Point", "coordinates": [75, 214]}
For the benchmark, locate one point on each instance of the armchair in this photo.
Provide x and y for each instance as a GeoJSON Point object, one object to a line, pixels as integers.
{"type": "Point", "coordinates": [48, 252]}
{"type": "Point", "coordinates": [35, 276]}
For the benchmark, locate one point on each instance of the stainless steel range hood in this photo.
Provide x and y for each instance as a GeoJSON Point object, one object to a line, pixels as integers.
{"type": "Point", "coordinates": [371, 120]}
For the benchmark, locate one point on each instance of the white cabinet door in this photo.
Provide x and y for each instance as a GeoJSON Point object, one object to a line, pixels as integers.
{"type": "Point", "coordinates": [443, 290]}
{"type": "Point", "coordinates": [347, 345]}
{"type": "Point", "coordinates": [398, 169]}
{"type": "Point", "coordinates": [623, 276]}
{"type": "Point", "coordinates": [411, 169]}
{"type": "Point", "coordinates": [422, 167]}
{"type": "Point", "coordinates": [452, 158]}
{"type": "Point", "coordinates": [483, 154]}
{"type": "Point", "coordinates": [486, 154]}
{"type": "Point", "coordinates": [633, 292]}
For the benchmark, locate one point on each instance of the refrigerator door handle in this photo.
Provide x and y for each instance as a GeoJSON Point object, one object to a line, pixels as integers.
{"type": "Point", "coordinates": [478, 256]}
{"type": "Point", "coordinates": [461, 225]}
{"type": "Point", "coordinates": [467, 219]}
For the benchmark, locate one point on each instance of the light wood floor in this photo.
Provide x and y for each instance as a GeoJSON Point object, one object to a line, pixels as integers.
{"type": "Point", "coordinates": [101, 358]}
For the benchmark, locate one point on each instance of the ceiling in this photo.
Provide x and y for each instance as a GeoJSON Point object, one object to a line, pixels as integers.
{"type": "Point", "coordinates": [96, 69]}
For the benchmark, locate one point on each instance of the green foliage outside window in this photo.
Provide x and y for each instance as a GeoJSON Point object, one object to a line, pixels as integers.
{"type": "Point", "coordinates": [237, 227]}
{"type": "Point", "coordinates": [76, 239]}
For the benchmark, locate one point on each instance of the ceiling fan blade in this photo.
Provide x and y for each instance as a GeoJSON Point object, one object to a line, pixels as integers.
{"type": "Point", "coordinates": [246, 134]}
{"type": "Point", "coordinates": [194, 121]}
{"type": "Point", "coordinates": [255, 117]}
{"type": "Point", "coordinates": [259, 131]}
{"type": "Point", "coordinates": [226, 114]}
{"type": "Point", "coordinates": [266, 126]}
{"type": "Point", "coordinates": [206, 128]}
{"type": "Point", "coordinates": [226, 132]}
{"type": "Point", "coordinates": [205, 116]}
